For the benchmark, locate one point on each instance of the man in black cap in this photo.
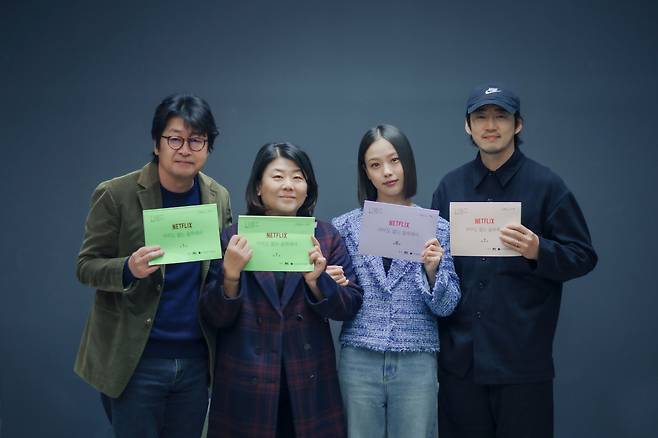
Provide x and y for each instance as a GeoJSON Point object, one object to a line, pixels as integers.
{"type": "Point", "coordinates": [496, 361]}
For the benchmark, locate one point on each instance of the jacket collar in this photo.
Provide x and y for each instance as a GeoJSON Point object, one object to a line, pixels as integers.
{"type": "Point", "coordinates": [503, 174]}
{"type": "Point", "coordinates": [149, 195]}
{"type": "Point", "coordinates": [208, 193]}
{"type": "Point", "coordinates": [268, 286]}
{"type": "Point", "coordinates": [150, 182]}
{"type": "Point", "coordinates": [289, 286]}
{"type": "Point", "coordinates": [267, 283]}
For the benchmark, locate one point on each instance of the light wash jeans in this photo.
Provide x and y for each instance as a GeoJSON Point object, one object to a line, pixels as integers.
{"type": "Point", "coordinates": [165, 398]}
{"type": "Point", "coordinates": [389, 394]}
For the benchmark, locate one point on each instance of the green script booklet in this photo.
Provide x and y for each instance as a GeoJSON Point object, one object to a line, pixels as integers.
{"type": "Point", "coordinates": [279, 243]}
{"type": "Point", "coordinates": [185, 234]}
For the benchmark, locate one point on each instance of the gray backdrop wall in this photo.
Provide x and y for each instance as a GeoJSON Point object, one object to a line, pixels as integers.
{"type": "Point", "coordinates": [80, 81]}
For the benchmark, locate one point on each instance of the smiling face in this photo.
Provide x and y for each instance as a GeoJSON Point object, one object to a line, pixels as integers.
{"type": "Point", "coordinates": [384, 170]}
{"type": "Point", "coordinates": [177, 168]}
{"type": "Point", "coordinates": [282, 188]}
{"type": "Point", "coordinates": [493, 130]}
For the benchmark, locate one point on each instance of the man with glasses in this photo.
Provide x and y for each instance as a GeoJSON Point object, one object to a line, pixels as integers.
{"type": "Point", "coordinates": [144, 346]}
{"type": "Point", "coordinates": [496, 360]}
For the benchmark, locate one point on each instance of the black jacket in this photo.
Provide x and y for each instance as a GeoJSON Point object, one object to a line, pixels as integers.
{"type": "Point", "coordinates": [505, 323]}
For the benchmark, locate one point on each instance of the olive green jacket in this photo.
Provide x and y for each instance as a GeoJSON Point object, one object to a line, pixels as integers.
{"type": "Point", "coordinates": [120, 320]}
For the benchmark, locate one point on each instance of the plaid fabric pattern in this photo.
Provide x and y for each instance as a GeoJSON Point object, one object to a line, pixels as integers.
{"type": "Point", "coordinates": [259, 333]}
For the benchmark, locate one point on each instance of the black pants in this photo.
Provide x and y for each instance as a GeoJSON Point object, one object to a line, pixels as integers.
{"type": "Point", "coordinates": [469, 410]}
{"type": "Point", "coordinates": [107, 406]}
{"type": "Point", "coordinates": [284, 424]}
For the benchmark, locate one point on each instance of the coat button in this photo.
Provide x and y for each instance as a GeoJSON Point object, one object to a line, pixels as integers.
{"type": "Point", "coordinates": [259, 320]}
{"type": "Point", "coordinates": [481, 285]}
{"type": "Point", "coordinates": [148, 322]}
{"type": "Point", "coordinates": [158, 288]}
{"type": "Point", "coordinates": [300, 317]}
{"type": "Point", "coordinates": [312, 377]}
{"type": "Point", "coordinates": [478, 315]}
{"type": "Point", "coordinates": [307, 347]}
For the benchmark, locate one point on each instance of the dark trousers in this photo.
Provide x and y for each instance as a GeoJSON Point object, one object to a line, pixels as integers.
{"type": "Point", "coordinates": [285, 427]}
{"type": "Point", "coordinates": [165, 398]}
{"type": "Point", "coordinates": [470, 410]}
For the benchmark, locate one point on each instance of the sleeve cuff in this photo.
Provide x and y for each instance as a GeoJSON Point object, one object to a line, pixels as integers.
{"type": "Point", "coordinates": [127, 277]}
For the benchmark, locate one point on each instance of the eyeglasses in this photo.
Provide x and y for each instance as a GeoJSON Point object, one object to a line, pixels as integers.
{"type": "Point", "coordinates": [195, 143]}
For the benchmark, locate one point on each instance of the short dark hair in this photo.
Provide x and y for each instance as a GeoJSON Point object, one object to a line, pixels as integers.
{"type": "Point", "coordinates": [268, 153]}
{"type": "Point", "coordinates": [194, 111]}
{"type": "Point", "coordinates": [367, 191]}
{"type": "Point", "coordinates": [518, 141]}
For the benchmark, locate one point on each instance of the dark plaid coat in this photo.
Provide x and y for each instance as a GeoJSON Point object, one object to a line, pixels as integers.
{"type": "Point", "coordinates": [259, 333]}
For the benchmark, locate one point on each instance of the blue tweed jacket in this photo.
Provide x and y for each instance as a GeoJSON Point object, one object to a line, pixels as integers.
{"type": "Point", "coordinates": [399, 310]}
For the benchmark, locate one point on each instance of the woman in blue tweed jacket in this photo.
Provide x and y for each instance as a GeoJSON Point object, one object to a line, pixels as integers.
{"type": "Point", "coordinates": [388, 364]}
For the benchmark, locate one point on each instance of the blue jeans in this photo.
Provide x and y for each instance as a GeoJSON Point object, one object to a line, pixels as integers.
{"type": "Point", "coordinates": [389, 394]}
{"type": "Point", "coordinates": [165, 398]}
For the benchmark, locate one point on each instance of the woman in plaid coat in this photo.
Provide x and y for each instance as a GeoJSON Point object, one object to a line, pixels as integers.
{"type": "Point", "coordinates": [275, 372]}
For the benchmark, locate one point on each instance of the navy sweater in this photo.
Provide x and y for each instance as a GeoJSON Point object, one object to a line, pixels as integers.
{"type": "Point", "coordinates": [176, 332]}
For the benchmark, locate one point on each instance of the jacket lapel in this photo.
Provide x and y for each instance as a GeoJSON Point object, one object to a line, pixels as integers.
{"type": "Point", "coordinates": [374, 262]}
{"type": "Point", "coordinates": [268, 285]}
{"type": "Point", "coordinates": [149, 193]}
{"type": "Point", "coordinates": [208, 196]}
{"type": "Point", "coordinates": [289, 287]}
{"type": "Point", "coordinates": [377, 269]}
{"type": "Point", "coordinates": [398, 269]}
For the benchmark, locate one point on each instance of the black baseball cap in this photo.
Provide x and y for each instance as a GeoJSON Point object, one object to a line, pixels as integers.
{"type": "Point", "coordinates": [493, 94]}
